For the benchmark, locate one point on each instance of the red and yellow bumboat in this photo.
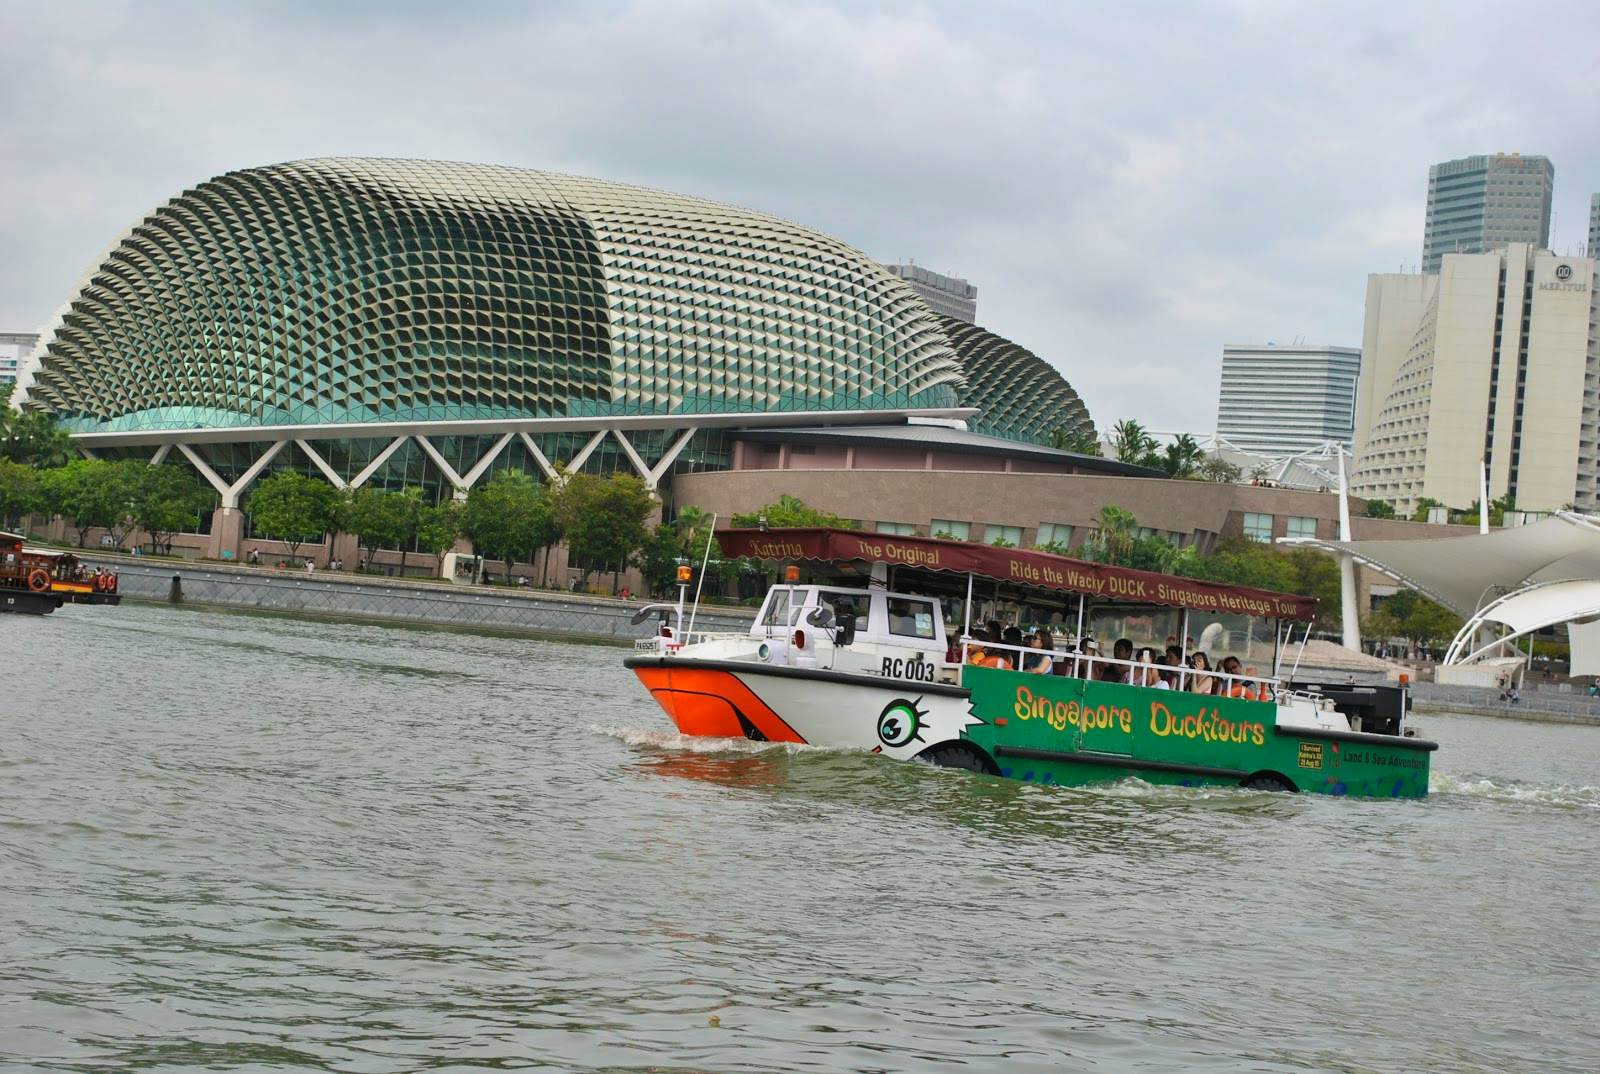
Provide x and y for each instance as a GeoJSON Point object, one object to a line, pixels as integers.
{"type": "Point", "coordinates": [36, 581]}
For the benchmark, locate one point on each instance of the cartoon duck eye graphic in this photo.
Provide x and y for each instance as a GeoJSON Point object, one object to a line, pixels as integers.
{"type": "Point", "coordinates": [900, 723]}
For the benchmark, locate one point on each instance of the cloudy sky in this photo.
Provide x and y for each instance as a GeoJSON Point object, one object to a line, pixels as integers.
{"type": "Point", "coordinates": [1129, 185]}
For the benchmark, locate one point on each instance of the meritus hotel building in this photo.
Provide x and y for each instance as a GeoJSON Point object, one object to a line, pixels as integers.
{"type": "Point", "coordinates": [1496, 358]}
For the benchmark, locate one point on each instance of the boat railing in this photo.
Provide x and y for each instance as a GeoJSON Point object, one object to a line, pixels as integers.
{"type": "Point", "coordinates": [1087, 665]}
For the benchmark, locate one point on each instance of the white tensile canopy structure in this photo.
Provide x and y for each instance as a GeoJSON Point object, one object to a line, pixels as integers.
{"type": "Point", "coordinates": [1523, 579]}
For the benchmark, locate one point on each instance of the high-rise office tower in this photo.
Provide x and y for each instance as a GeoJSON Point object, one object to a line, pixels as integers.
{"type": "Point", "coordinates": [1282, 400]}
{"type": "Point", "coordinates": [949, 295]}
{"type": "Point", "coordinates": [15, 347]}
{"type": "Point", "coordinates": [1485, 202]}
{"type": "Point", "coordinates": [1593, 249]}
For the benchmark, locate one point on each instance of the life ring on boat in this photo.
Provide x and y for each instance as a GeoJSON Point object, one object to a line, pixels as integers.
{"type": "Point", "coordinates": [38, 580]}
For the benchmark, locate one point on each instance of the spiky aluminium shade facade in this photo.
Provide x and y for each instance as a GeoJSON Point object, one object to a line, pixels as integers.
{"type": "Point", "coordinates": [350, 290]}
{"type": "Point", "coordinates": [345, 291]}
{"type": "Point", "coordinates": [1018, 395]}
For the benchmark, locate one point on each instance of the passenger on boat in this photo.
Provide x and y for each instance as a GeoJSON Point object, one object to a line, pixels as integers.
{"type": "Point", "coordinates": [1165, 667]}
{"type": "Point", "coordinates": [1147, 674]}
{"type": "Point", "coordinates": [1122, 650]}
{"type": "Point", "coordinates": [1201, 682]}
{"type": "Point", "coordinates": [1041, 664]}
{"type": "Point", "coordinates": [978, 653]}
{"type": "Point", "coordinates": [1238, 687]}
{"type": "Point", "coordinates": [1090, 649]}
{"type": "Point", "coordinates": [1013, 637]}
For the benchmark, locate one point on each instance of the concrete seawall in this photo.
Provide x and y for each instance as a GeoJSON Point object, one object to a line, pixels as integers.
{"type": "Point", "coordinates": [395, 600]}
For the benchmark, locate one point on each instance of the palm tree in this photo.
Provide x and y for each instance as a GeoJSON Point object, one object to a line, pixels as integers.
{"type": "Point", "coordinates": [1183, 457]}
{"type": "Point", "coordinates": [1079, 442]}
{"type": "Point", "coordinates": [1117, 529]}
{"type": "Point", "coordinates": [1131, 443]}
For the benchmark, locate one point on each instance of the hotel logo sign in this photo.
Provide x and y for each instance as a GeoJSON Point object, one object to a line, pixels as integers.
{"type": "Point", "coordinates": [1564, 281]}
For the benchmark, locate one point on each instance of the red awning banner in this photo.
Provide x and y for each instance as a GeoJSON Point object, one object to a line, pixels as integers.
{"type": "Point", "coordinates": [1040, 570]}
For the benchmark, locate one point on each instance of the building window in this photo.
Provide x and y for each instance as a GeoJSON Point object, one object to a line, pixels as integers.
{"type": "Point", "coordinates": [1054, 533]}
{"type": "Point", "coordinates": [1011, 535]}
{"type": "Point", "coordinates": [1302, 527]}
{"type": "Point", "coordinates": [944, 527]}
{"type": "Point", "coordinates": [1257, 527]}
{"type": "Point", "coordinates": [898, 529]}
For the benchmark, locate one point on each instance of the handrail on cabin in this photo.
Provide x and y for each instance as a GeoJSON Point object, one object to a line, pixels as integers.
{"type": "Point", "coordinates": [1183, 671]}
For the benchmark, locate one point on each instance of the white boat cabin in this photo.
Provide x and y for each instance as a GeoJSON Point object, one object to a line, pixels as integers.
{"type": "Point", "coordinates": [897, 635]}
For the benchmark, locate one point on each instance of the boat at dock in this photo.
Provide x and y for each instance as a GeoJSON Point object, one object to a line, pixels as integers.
{"type": "Point", "coordinates": [868, 643]}
{"type": "Point", "coordinates": [37, 581]}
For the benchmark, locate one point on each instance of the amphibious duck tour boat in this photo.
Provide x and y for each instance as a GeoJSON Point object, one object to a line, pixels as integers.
{"type": "Point", "coordinates": [859, 655]}
{"type": "Point", "coordinates": [37, 581]}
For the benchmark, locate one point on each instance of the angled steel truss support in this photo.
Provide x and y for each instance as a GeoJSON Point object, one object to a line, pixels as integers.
{"type": "Point", "coordinates": [321, 464]}
{"type": "Point", "coordinates": [378, 460]}
{"type": "Point", "coordinates": [230, 493]}
{"type": "Point", "coordinates": [539, 457]}
{"type": "Point", "coordinates": [463, 482]}
{"type": "Point", "coordinates": [652, 474]}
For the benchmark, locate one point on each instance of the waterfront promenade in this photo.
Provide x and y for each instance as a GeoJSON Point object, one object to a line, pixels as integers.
{"type": "Point", "coordinates": [379, 599]}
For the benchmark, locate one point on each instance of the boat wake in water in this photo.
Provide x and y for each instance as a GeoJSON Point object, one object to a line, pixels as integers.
{"type": "Point", "coordinates": [1515, 792]}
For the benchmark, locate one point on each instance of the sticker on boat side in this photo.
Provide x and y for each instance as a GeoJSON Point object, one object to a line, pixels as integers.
{"type": "Point", "coordinates": [900, 723]}
{"type": "Point", "coordinates": [1310, 755]}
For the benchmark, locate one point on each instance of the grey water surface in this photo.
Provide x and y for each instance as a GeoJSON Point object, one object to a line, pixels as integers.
{"type": "Point", "coordinates": [243, 843]}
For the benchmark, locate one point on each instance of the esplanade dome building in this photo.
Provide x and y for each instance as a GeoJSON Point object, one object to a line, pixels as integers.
{"type": "Point", "coordinates": [424, 322]}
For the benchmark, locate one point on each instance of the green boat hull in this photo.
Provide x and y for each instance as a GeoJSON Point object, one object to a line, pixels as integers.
{"type": "Point", "coordinates": [1072, 732]}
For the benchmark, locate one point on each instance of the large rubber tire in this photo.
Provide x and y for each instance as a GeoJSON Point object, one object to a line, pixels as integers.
{"type": "Point", "coordinates": [1267, 781]}
{"type": "Point", "coordinates": [957, 755]}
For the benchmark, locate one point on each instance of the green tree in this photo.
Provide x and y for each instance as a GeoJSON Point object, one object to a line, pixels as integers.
{"type": "Point", "coordinates": [544, 529]}
{"type": "Point", "coordinates": [409, 517]}
{"type": "Point", "coordinates": [89, 493]}
{"type": "Point", "coordinates": [502, 517]}
{"type": "Point", "coordinates": [169, 500]}
{"type": "Point", "coordinates": [1116, 529]}
{"type": "Point", "coordinates": [31, 437]}
{"type": "Point", "coordinates": [438, 527]}
{"type": "Point", "coordinates": [659, 557]}
{"type": "Point", "coordinates": [1132, 443]}
{"type": "Point", "coordinates": [1497, 511]}
{"type": "Point", "coordinates": [1241, 561]}
{"type": "Point", "coordinates": [1380, 509]}
{"type": "Point", "coordinates": [1316, 575]}
{"type": "Point", "coordinates": [378, 519]}
{"type": "Point", "coordinates": [20, 492]}
{"type": "Point", "coordinates": [604, 520]}
{"type": "Point", "coordinates": [791, 511]}
{"type": "Point", "coordinates": [1182, 457]}
{"type": "Point", "coordinates": [1408, 614]}
{"type": "Point", "coordinates": [1220, 470]}
{"type": "Point", "coordinates": [293, 508]}
{"type": "Point", "coordinates": [1079, 442]}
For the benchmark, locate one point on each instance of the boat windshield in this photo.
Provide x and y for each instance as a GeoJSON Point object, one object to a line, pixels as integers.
{"type": "Point", "coordinates": [777, 613]}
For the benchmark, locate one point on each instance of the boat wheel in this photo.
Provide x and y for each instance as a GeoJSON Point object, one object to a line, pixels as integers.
{"type": "Point", "coordinates": [957, 755]}
{"type": "Point", "coordinates": [1267, 781]}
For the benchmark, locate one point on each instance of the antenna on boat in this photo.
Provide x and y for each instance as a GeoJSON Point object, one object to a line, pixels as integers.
{"type": "Point", "coordinates": [1304, 638]}
{"type": "Point", "coordinates": [711, 533]}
